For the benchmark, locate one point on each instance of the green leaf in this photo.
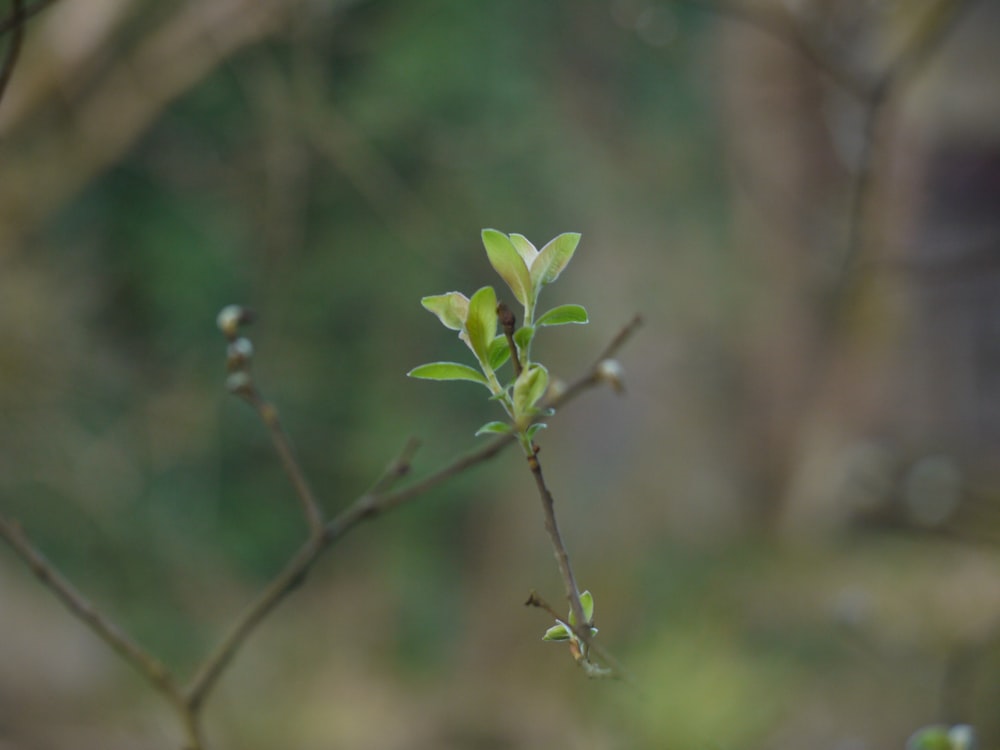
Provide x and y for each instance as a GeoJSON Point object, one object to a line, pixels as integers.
{"type": "Point", "coordinates": [523, 337]}
{"type": "Point", "coordinates": [524, 248]}
{"type": "Point", "coordinates": [930, 738]}
{"type": "Point", "coordinates": [447, 371]}
{"type": "Point", "coordinates": [528, 389]}
{"type": "Point", "coordinates": [451, 308]}
{"type": "Point", "coordinates": [499, 352]}
{"type": "Point", "coordinates": [587, 603]}
{"type": "Point", "coordinates": [531, 431]}
{"type": "Point", "coordinates": [562, 315]}
{"type": "Point", "coordinates": [558, 632]}
{"type": "Point", "coordinates": [553, 258]}
{"type": "Point", "coordinates": [500, 428]}
{"type": "Point", "coordinates": [481, 322]}
{"type": "Point", "coordinates": [507, 262]}
{"type": "Point", "coordinates": [941, 737]}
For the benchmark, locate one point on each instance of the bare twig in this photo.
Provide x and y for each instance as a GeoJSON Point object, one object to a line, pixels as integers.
{"type": "Point", "coordinates": [16, 22]}
{"type": "Point", "coordinates": [113, 635]}
{"type": "Point", "coordinates": [286, 581]}
{"type": "Point", "coordinates": [282, 446]}
{"type": "Point", "coordinates": [595, 374]}
{"type": "Point", "coordinates": [615, 669]}
{"type": "Point", "coordinates": [398, 468]}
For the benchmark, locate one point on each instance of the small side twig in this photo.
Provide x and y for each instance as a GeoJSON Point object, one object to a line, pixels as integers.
{"type": "Point", "coordinates": [268, 414]}
{"type": "Point", "coordinates": [239, 357]}
{"type": "Point", "coordinates": [615, 669]}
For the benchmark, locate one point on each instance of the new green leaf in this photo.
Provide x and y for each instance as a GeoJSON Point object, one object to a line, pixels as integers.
{"type": "Point", "coordinates": [507, 262]}
{"type": "Point", "coordinates": [558, 632]}
{"type": "Point", "coordinates": [553, 258]}
{"type": "Point", "coordinates": [481, 322]}
{"type": "Point", "coordinates": [499, 352]}
{"type": "Point", "coordinates": [523, 336]}
{"type": "Point", "coordinates": [587, 604]}
{"type": "Point", "coordinates": [524, 248]}
{"type": "Point", "coordinates": [451, 308]}
{"type": "Point", "coordinates": [533, 430]}
{"type": "Point", "coordinates": [562, 315]}
{"type": "Point", "coordinates": [500, 428]}
{"type": "Point", "coordinates": [528, 389]}
{"type": "Point", "coordinates": [447, 371]}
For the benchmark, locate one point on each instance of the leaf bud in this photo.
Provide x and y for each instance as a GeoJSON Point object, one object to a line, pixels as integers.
{"type": "Point", "coordinates": [240, 383]}
{"type": "Point", "coordinates": [231, 317]}
{"type": "Point", "coordinates": [610, 371]}
{"type": "Point", "coordinates": [238, 354]}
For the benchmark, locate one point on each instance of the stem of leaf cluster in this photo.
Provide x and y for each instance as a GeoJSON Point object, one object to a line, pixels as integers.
{"type": "Point", "coordinates": [508, 323]}
{"type": "Point", "coordinates": [552, 528]}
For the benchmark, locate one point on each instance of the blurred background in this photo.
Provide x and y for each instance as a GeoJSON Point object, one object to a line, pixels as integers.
{"type": "Point", "coordinates": [790, 520]}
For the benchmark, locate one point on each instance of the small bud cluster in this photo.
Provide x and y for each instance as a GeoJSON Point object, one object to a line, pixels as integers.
{"type": "Point", "coordinates": [239, 352]}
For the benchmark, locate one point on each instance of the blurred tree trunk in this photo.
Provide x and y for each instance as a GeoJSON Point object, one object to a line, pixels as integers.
{"type": "Point", "coordinates": [788, 186]}
{"type": "Point", "coordinates": [946, 183]}
{"type": "Point", "coordinates": [830, 429]}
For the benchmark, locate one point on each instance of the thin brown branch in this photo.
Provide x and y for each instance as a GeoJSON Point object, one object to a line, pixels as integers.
{"type": "Point", "coordinates": [594, 375]}
{"type": "Point", "coordinates": [282, 446]}
{"type": "Point", "coordinates": [558, 546]}
{"type": "Point", "coordinates": [112, 634]}
{"type": "Point", "coordinates": [398, 468]}
{"type": "Point", "coordinates": [17, 20]}
{"type": "Point", "coordinates": [286, 581]}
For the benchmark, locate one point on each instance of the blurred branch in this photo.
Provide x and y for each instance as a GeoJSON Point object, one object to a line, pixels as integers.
{"type": "Point", "coordinates": [84, 610]}
{"type": "Point", "coordinates": [114, 111]}
{"type": "Point", "coordinates": [780, 24]}
{"type": "Point", "coordinates": [15, 22]}
{"type": "Point", "coordinates": [19, 14]}
{"type": "Point", "coordinates": [874, 95]}
{"type": "Point", "coordinates": [282, 446]}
